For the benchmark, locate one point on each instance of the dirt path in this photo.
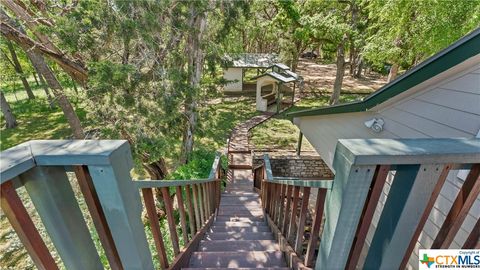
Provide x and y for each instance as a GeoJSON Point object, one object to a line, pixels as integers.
{"type": "Point", "coordinates": [320, 77]}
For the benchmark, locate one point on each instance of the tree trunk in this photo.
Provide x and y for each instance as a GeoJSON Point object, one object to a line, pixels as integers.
{"type": "Point", "coordinates": [63, 102]}
{"type": "Point", "coordinates": [392, 74]}
{"type": "Point", "coordinates": [10, 120]}
{"type": "Point", "coordinates": [352, 59]}
{"type": "Point", "coordinates": [196, 56]}
{"type": "Point", "coordinates": [42, 68]}
{"type": "Point", "coordinates": [51, 101]}
{"type": "Point", "coordinates": [75, 88]}
{"type": "Point", "coordinates": [19, 70]}
{"type": "Point", "coordinates": [35, 78]}
{"type": "Point", "coordinates": [358, 73]}
{"type": "Point", "coordinates": [157, 170]}
{"type": "Point", "coordinates": [337, 86]}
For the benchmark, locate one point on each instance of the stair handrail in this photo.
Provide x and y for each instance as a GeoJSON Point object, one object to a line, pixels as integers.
{"type": "Point", "coordinates": [280, 199]}
{"type": "Point", "coordinates": [102, 171]}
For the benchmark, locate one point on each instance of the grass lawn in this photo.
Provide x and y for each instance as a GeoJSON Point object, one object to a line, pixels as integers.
{"type": "Point", "coordinates": [281, 134]}
{"type": "Point", "coordinates": [36, 120]}
{"type": "Point", "coordinates": [218, 119]}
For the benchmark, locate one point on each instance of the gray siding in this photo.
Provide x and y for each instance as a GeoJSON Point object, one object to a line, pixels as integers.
{"type": "Point", "coordinates": [448, 109]}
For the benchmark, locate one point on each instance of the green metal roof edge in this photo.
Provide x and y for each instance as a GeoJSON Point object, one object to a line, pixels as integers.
{"type": "Point", "coordinates": [466, 47]}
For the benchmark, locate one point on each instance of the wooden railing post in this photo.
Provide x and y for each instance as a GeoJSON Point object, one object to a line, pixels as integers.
{"type": "Point", "coordinates": [317, 221]}
{"type": "Point", "coordinates": [205, 201]}
{"type": "Point", "coordinates": [293, 213]}
{"type": "Point", "coordinates": [191, 215]}
{"type": "Point", "coordinates": [401, 214]}
{"type": "Point", "coordinates": [287, 210]}
{"type": "Point", "coordinates": [96, 212]}
{"type": "Point", "coordinates": [155, 226]}
{"type": "Point", "coordinates": [282, 204]}
{"type": "Point", "coordinates": [459, 211]}
{"type": "Point", "coordinates": [181, 210]}
{"type": "Point", "coordinates": [170, 220]}
{"type": "Point", "coordinates": [198, 215]}
{"type": "Point", "coordinates": [21, 222]}
{"type": "Point", "coordinates": [379, 179]}
{"type": "Point", "coordinates": [301, 223]}
{"type": "Point", "coordinates": [121, 204]}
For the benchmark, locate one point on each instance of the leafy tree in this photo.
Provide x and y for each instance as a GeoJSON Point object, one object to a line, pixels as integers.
{"type": "Point", "coordinates": [145, 62]}
{"type": "Point", "coordinates": [405, 32]}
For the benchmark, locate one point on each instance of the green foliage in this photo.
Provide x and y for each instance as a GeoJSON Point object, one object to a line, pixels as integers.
{"type": "Point", "coordinates": [198, 168]}
{"type": "Point", "coordinates": [139, 71]}
{"type": "Point", "coordinates": [406, 31]}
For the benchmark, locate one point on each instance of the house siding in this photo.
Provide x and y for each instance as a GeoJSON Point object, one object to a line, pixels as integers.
{"type": "Point", "coordinates": [235, 75]}
{"type": "Point", "coordinates": [450, 108]}
{"type": "Point", "coordinates": [447, 110]}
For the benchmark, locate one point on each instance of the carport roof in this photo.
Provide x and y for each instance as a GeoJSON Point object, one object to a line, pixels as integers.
{"type": "Point", "coordinates": [251, 60]}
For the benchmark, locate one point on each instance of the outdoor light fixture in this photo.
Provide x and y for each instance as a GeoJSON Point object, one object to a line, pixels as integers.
{"type": "Point", "coordinates": [375, 124]}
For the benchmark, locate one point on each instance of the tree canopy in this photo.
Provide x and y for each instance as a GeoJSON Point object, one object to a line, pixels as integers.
{"type": "Point", "coordinates": [145, 67]}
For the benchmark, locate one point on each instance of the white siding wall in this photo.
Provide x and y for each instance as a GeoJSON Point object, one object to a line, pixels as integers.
{"type": "Point", "coordinates": [233, 74]}
{"type": "Point", "coordinates": [447, 109]}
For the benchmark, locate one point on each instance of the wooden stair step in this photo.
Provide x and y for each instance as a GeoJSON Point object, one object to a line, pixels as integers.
{"type": "Point", "coordinates": [235, 208]}
{"type": "Point", "coordinates": [249, 196]}
{"type": "Point", "coordinates": [240, 223]}
{"type": "Point", "coordinates": [242, 199]}
{"type": "Point", "coordinates": [239, 236]}
{"type": "Point", "coordinates": [241, 193]}
{"type": "Point", "coordinates": [236, 229]}
{"type": "Point", "coordinates": [239, 219]}
{"type": "Point", "coordinates": [240, 166]}
{"type": "Point", "coordinates": [243, 174]}
{"type": "Point", "coordinates": [241, 245]}
{"type": "Point", "coordinates": [238, 189]}
{"type": "Point", "coordinates": [251, 203]}
{"type": "Point", "coordinates": [242, 183]}
{"type": "Point", "coordinates": [233, 151]}
{"type": "Point", "coordinates": [246, 187]}
{"type": "Point", "coordinates": [248, 259]}
{"type": "Point", "coordinates": [240, 213]}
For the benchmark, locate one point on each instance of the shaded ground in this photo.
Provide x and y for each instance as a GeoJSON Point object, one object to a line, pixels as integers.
{"type": "Point", "coordinates": [320, 78]}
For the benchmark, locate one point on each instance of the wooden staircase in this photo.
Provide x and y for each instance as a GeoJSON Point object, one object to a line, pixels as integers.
{"type": "Point", "coordinates": [239, 237]}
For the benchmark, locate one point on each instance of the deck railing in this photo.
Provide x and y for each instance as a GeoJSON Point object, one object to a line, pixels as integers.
{"type": "Point", "coordinates": [286, 201]}
{"type": "Point", "coordinates": [415, 171]}
{"type": "Point", "coordinates": [411, 172]}
{"type": "Point", "coordinates": [102, 170]}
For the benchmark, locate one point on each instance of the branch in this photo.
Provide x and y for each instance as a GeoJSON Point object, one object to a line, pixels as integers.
{"type": "Point", "coordinates": [73, 68]}
{"type": "Point", "coordinates": [6, 57]}
{"type": "Point", "coordinates": [30, 23]}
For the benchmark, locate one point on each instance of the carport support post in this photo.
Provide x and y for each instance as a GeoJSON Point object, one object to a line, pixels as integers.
{"type": "Point", "coordinates": [293, 94]}
{"type": "Point", "coordinates": [299, 145]}
{"type": "Point", "coordinates": [279, 86]}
